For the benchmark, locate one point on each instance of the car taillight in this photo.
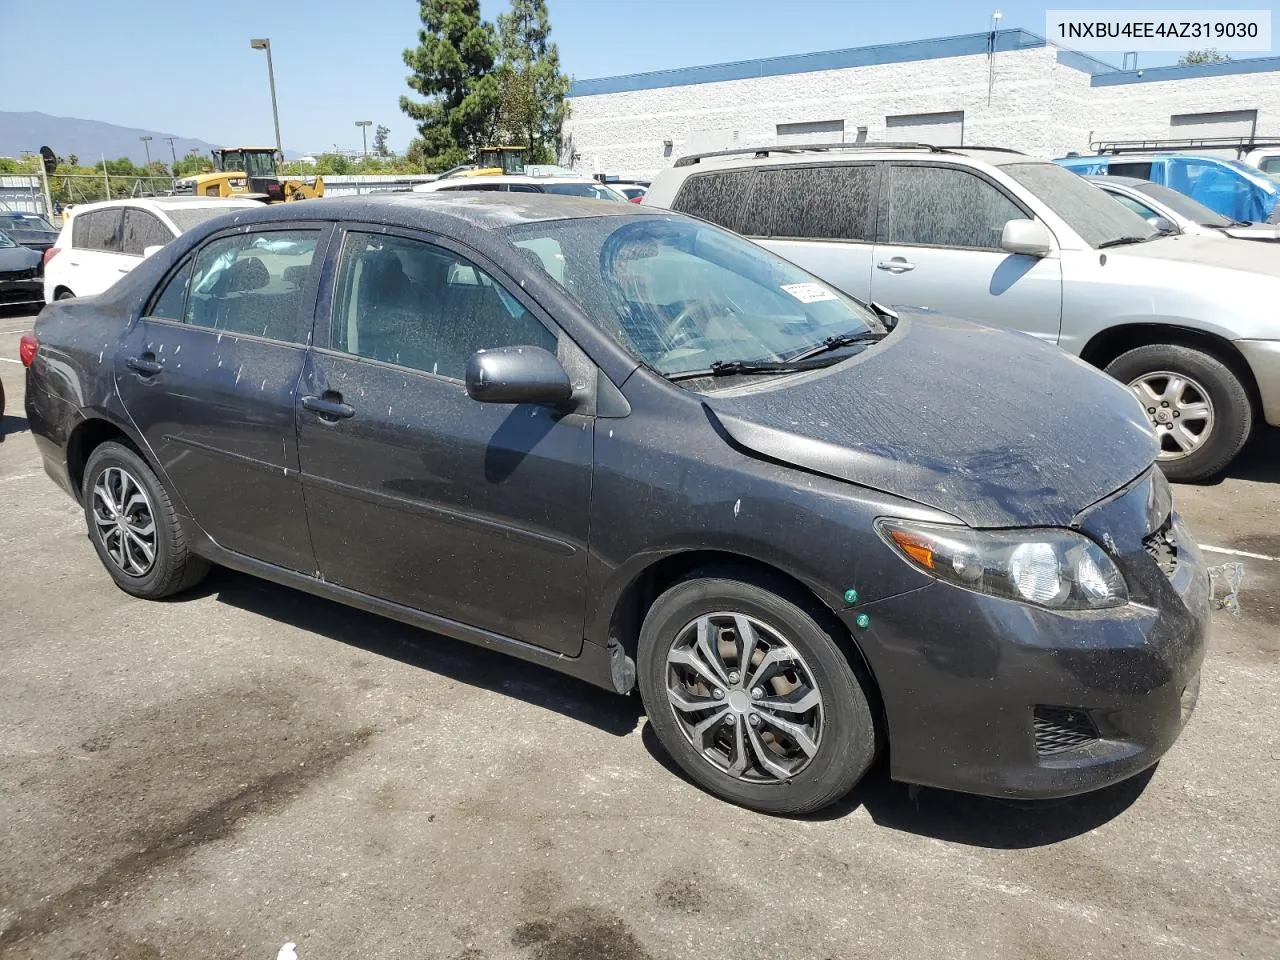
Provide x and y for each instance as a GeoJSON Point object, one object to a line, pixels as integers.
{"type": "Point", "coordinates": [27, 349]}
{"type": "Point", "coordinates": [50, 253]}
{"type": "Point", "coordinates": [637, 199]}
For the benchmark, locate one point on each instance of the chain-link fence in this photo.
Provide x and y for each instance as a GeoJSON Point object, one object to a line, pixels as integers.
{"type": "Point", "coordinates": [25, 192]}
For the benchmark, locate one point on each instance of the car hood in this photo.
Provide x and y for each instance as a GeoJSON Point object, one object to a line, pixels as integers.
{"type": "Point", "coordinates": [32, 238]}
{"type": "Point", "coordinates": [1206, 251]}
{"type": "Point", "coordinates": [995, 428]}
{"type": "Point", "coordinates": [14, 259]}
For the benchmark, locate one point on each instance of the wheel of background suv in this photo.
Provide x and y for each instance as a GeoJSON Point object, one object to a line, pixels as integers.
{"type": "Point", "coordinates": [752, 696]}
{"type": "Point", "coordinates": [1199, 407]}
{"type": "Point", "coordinates": [133, 526]}
{"type": "Point", "coordinates": [64, 295]}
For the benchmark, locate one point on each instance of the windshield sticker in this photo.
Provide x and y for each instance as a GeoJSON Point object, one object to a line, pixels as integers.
{"type": "Point", "coordinates": [809, 292]}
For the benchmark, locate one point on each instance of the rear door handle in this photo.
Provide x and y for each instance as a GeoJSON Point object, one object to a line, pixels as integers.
{"type": "Point", "coordinates": [329, 406]}
{"type": "Point", "coordinates": [123, 269]}
{"type": "Point", "coordinates": [145, 365]}
{"type": "Point", "coordinates": [896, 265]}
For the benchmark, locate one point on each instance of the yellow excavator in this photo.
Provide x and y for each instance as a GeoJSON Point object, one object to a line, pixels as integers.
{"type": "Point", "coordinates": [492, 162]}
{"type": "Point", "coordinates": [249, 172]}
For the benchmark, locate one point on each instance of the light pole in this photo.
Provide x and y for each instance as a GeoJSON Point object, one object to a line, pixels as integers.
{"type": "Point", "coordinates": [364, 133]}
{"type": "Point", "coordinates": [172, 151]}
{"type": "Point", "coordinates": [265, 44]}
{"type": "Point", "coordinates": [146, 142]}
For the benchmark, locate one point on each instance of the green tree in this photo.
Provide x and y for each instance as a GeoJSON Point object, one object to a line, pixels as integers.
{"type": "Point", "coordinates": [1208, 55]}
{"type": "Point", "coordinates": [533, 108]}
{"type": "Point", "coordinates": [380, 134]}
{"type": "Point", "coordinates": [193, 163]}
{"type": "Point", "coordinates": [73, 160]}
{"type": "Point", "coordinates": [452, 67]}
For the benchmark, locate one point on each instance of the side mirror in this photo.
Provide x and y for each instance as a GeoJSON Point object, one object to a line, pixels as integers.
{"type": "Point", "coordinates": [151, 250]}
{"type": "Point", "coordinates": [1162, 225]}
{"type": "Point", "coordinates": [1029, 237]}
{"type": "Point", "coordinates": [517, 375]}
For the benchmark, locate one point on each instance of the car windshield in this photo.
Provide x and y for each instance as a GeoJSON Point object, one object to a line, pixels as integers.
{"type": "Point", "coordinates": [25, 221]}
{"type": "Point", "coordinates": [260, 164]}
{"type": "Point", "coordinates": [5, 242]}
{"type": "Point", "coordinates": [1091, 213]}
{"type": "Point", "coordinates": [1254, 175]}
{"type": "Point", "coordinates": [1184, 206]}
{"type": "Point", "coordinates": [185, 218]}
{"type": "Point", "coordinates": [681, 295]}
{"type": "Point", "coordinates": [596, 191]}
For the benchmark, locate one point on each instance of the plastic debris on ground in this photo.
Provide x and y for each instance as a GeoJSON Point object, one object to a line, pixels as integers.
{"type": "Point", "coordinates": [1224, 587]}
{"type": "Point", "coordinates": [287, 952]}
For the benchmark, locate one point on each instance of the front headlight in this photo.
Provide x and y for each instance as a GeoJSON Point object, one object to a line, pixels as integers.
{"type": "Point", "coordinates": [1058, 569]}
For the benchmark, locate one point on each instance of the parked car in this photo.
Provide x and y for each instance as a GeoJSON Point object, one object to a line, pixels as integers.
{"type": "Point", "coordinates": [1173, 212]}
{"type": "Point", "coordinates": [996, 237]}
{"type": "Point", "coordinates": [1231, 187]}
{"type": "Point", "coordinates": [20, 269]}
{"type": "Point", "coordinates": [636, 448]}
{"type": "Point", "coordinates": [100, 242]}
{"type": "Point", "coordinates": [514, 183]}
{"type": "Point", "coordinates": [633, 190]}
{"type": "Point", "coordinates": [28, 229]}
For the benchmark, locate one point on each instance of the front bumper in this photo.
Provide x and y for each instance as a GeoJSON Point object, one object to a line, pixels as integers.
{"type": "Point", "coordinates": [1263, 357]}
{"type": "Point", "coordinates": [976, 688]}
{"type": "Point", "coordinates": [13, 292]}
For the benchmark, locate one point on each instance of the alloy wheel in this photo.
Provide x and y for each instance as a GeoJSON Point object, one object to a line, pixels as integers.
{"type": "Point", "coordinates": [125, 521]}
{"type": "Point", "coordinates": [744, 697]}
{"type": "Point", "coordinates": [1180, 410]}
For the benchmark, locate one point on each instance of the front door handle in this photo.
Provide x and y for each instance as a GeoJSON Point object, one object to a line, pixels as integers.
{"type": "Point", "coordinates": [896, 265]}
{"type": "Point", "coordinates": [145, 365]}
{"type": "Point", "coordinates": [329, 406]}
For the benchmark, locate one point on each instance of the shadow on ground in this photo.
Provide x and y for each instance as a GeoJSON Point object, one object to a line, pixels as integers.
{"type": "Point", "coordinates": [463, 662]}
{"type": "Point", "coordinates": [1258, 462]}
{"type": "Point", "coordinates": [962, 818]}
{"type": "Point", "coordinates": [10, 425]}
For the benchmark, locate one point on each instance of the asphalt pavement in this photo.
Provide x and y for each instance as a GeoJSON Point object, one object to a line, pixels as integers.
{"type": "Point", "coordinates": [246, 766]}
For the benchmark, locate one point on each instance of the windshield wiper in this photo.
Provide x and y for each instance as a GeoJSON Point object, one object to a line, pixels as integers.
{"type": "Point", "coordinates": [732, 368]}
{"type": "Point", "coordinates": [1119, 240]}
{"type": "Point", "coordinates": [837, 342]}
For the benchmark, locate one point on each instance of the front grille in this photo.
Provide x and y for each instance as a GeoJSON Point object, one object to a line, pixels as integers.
{"type": "Point", "coordinates": [12, 275]}
{"type": "Point", "coordinates": [1058, 729]}
{"type": "Point", "coordinates": [1162, 547]}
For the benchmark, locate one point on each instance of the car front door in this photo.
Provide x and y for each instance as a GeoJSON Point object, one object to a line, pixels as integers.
{"type": "Point", "coordinates": [208, 375]}
{"type": "Point", "coordinates": [476, 512]}
{"type": "Point", "coordinates": [940, 230]}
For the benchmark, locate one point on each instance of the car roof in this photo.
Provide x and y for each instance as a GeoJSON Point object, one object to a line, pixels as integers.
{"type": "Point", "coordinates": [485, 210]}
{"type": "Point", "coordinates": [515, 178]}
{"type": "Point", "coordinates": [167, 203]}
{"type": "Point", "coordinates": [780, 153]}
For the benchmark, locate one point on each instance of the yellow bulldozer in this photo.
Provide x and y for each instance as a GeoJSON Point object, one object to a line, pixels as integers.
{"type": "Point", "coordinates": [249, 172]}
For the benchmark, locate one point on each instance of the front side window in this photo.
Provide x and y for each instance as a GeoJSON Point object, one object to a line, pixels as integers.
{"type": "Point", "coordinates": [142, 230]}
{"type": "Point", "coordinates": [812, 202]}
{"type": "Point", "coordinates": [1140, 209]}
{"type": "Point", "coordinates": [417, 305]}
{"type": "Point", "coordinates": [169, 302]}
{"type": "Point", "coordinates": [947, 207]}
{"type": "Point", "coordinates": [5, 242]}
{"type": "Point", "coordinates": [681, 295]}
{"type": "Point", "coordinates": [252, 284]}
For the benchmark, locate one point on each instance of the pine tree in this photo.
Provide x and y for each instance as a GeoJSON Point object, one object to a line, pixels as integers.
{"type": "Point", "coordinates": [533, 89]}
{"type": "Point", "coordinates": [380, 135]}
{"type": "Point", "coordinates": [453, 68]}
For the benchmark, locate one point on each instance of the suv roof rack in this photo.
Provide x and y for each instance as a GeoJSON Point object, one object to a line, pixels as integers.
{"type": "Point", "coordinates": [763, 151]}
{"type": "Point", "coordinates": [1241, 145]}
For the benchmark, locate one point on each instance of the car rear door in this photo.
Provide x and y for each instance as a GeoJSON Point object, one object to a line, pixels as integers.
{"type": "Point", "coordinates": [417, 494]}
{"type": "Point", "coordinates": [209, 373]}
{"type": "Point", "coordinates": [96, 259]}
{"type": "Point", "coordinates": [939, 248]}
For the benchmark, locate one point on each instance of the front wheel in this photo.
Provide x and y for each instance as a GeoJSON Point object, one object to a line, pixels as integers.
{"type": "Point", "coordinates": [1199, 408]}
{"type": "Point", "coordinates": [752, 696]}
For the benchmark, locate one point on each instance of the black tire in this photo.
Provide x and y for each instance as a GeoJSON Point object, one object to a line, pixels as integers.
{"type": "Point", "coordinates": [174, 567]}
{"type": "Point", "coordinates": [64, 295]}
{"type": "Point", "coordinates": [1232, 409]}
{"type": "Point", "coordinates": [848, 742]}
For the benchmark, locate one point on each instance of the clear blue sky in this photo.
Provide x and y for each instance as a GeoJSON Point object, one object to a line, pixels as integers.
{"type": "Point", "coordinates": [186, 68]}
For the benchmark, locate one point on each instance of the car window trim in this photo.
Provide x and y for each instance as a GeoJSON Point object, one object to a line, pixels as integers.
{"type": "Point", "coordinates": [322, 331]}
{"type": "Point", "coordinates": [882, 233]}
{"type": "Point", "coordinates": [310, 290]}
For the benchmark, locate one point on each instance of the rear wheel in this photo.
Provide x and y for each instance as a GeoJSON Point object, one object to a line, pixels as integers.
{"type": "Point", "coordinates": [1199, 408]}
{"type": "Point", "coordinates": [752, 696]}
{"type": "Point", "coordinates": [64, 295]}
{"type": "Point", "coordinates": [133, 526]}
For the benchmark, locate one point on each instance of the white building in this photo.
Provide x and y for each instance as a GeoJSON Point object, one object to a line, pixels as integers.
{"type": "Point", "coordinates": [1008, 88]}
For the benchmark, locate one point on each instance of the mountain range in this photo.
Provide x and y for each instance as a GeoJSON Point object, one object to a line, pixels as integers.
{"type": "Point", "coordinates": [89, 140]}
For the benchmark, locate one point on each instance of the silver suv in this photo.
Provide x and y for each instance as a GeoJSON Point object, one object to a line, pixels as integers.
{"type": "Point", "coordinates": [1189, 323]}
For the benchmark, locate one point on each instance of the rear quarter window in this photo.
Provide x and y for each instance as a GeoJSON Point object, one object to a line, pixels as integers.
{"type": "Point", "coordinates": [718, 197]}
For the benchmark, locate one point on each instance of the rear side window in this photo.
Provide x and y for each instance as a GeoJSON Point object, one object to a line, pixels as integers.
{"type": "Point", "coordinates": [718, 197]}
{"type": "Point", "coordinates": [1139, 169]}
{"type": "Point", "coordinates": [946, 207]}
{"type": "Point", "coordinates": [252, 284]}
{"type": "Point", "coordinates": [142, 230]}
{"type": "Point", "coordinates": [812, 202]}
{"type": "Point", "coordinates": [98, 230]}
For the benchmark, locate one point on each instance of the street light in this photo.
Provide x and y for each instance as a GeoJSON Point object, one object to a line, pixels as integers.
{"type": "Point", "coordinates": [172, 151]}
{"type": "Point", "coordinates": [146, 142]}
{"type": "Point", "coordinates": [263, 43]}
{"type": "Point", "coordinates": [364, 133]}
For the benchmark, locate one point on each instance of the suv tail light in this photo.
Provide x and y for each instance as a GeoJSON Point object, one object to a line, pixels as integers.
{"type": "Point", "coordinates": [27, 349]}
{"type": "Point", "coordinates": [635, 199]}
{"type": "Point", "coordinates": [50, 253]}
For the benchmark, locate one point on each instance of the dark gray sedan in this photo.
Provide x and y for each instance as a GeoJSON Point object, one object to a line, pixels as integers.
{"type": "Point", "coordinates": [21, 274]}
{"type": "Point", "coordinates": [638, 449]}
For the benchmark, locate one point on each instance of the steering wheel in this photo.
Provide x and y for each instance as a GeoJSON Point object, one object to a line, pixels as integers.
{"type": "Point", "coordinates": [672, 333]}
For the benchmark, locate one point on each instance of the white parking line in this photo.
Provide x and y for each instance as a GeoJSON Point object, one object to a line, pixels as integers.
{"type": "Point", "coordinates": [10, 360]}
{"type": "Point", "coordinates": [1239, 553]}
